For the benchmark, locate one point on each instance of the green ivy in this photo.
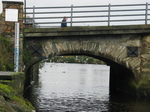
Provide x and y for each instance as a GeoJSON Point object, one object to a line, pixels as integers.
{"type": "Point", "coordinates": [27, 56]}
{"type": "Point", "coordinates": [6, 55]}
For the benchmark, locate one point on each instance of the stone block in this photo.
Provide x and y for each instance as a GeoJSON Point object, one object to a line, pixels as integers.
{"type": "Point", "coordinates": [148, 39]}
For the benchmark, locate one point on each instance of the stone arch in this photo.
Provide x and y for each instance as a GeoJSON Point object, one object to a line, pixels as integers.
{"type": "Point", "coordinates": [124, 70]}
{"type": "Point", "coordinates": [118, 73]}
{"type": "Point", "coordinates": [108, 43]}
{"type": "Point", "coordinates": [120, 69]}
{"type": "Point", "coordinates": [114, 53]}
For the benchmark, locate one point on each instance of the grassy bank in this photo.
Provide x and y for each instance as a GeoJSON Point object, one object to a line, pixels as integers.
{"type": "Point", "coordinates": [6, 52]}
{"type": "Point", "coordinates": [11, 102]}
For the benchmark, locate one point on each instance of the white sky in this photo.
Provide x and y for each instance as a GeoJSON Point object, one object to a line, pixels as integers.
{"type": "Point", "coordinates": [77, 2]}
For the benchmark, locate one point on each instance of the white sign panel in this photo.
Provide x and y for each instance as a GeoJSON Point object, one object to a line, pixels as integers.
{"type": "Point", "coordinates": [11, 15]}
{"type": "Point", "coordinates": [13, 0]}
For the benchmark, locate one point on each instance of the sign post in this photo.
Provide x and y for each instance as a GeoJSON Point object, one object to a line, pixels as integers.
{"type": "Point", "coordinates": [16, 51]}
{"type": "Point", "coordinates": [12, 16]}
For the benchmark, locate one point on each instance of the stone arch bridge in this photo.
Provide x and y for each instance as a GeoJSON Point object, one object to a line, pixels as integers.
{"type": "Point", "coordinates": [124, 48]}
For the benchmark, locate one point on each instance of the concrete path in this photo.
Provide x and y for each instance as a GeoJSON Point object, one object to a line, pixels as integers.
{"type": "Point", "coordinates": [5, 75]}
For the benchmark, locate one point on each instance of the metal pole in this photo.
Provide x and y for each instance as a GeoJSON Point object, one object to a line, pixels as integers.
{"type": "Point", "coordinates": [71, 15]}
{"type": "Point", "coordinates": [109, 14]}
{"type": "Point", "coordinates": [25, 10]}
{"type": "Point", "coordinates": [16, 50]}
{"type": "Point", "coordinates": [33, 21]}
{"type": "Point", "coordinates": [146, 13]}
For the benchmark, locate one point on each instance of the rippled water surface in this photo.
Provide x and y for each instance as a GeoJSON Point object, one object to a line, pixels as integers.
{"type": "Point", "coordinates": [79, 88]}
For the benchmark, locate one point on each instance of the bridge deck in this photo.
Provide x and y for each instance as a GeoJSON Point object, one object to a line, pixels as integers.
{"type": "Point", "coordinates": [88, 30]}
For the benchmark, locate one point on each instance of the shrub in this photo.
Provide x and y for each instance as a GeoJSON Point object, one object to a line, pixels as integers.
{"type": "Point", "coordinates": [6, 55]}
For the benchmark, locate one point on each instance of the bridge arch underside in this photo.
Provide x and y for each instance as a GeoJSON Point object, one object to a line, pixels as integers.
{"type": "Point", "coordinates": [124, 71]}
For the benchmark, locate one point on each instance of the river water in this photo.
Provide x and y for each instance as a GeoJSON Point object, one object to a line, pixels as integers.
{"type": "Point", "coordinates": [79, 88]}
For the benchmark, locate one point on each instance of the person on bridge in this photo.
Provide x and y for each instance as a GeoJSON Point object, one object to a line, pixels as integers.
{"type": "Point", "coordinates": [64, 22]}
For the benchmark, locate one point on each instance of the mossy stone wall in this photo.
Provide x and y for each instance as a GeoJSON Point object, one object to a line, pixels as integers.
{"type": "Point", "coordinates": [14, 80]}
{"type": "Point", "coordinates": [11, 102]}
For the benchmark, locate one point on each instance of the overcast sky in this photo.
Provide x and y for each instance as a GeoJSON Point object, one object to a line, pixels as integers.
{"type": "Point", "coordinates": [77, 2]}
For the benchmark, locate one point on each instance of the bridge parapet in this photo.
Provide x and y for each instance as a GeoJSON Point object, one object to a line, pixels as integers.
{"type": "Point", "coordinates": [88, 30]}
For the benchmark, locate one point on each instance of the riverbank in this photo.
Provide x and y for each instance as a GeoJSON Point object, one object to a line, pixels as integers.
{"type": "Point", "coordinates": [11, 87]}
{"type": "Point", "coordinates": [11, 102]}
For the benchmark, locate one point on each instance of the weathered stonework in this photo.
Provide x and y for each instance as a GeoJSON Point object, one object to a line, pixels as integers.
{"type": "Point", "coordinates": [127, 74]}
{"type": "Point", "coordinates": [14, 80]}
{"type": "Point", "coordinates": [9, 27]}
{"type": "Point", "coordinates": [144, 85]}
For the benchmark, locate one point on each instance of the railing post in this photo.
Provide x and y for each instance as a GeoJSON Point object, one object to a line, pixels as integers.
{"type": "Point", "coordinates": [71, 15]}
{"type": "Point", "coordinates": [109, 14]}
{"type": "Point", "coordinates": [25, 11]}
{"type": "Point", "coordinates": [33, 21]}
{"type": "Point", "coordinates": [146, 13]}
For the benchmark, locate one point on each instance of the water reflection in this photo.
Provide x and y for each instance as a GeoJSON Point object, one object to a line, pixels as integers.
{"type": "Point", "coordinates": [79, 88]}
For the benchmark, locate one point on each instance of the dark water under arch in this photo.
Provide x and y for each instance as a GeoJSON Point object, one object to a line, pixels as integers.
{"type": "Point", "coordinates": [79, 88]}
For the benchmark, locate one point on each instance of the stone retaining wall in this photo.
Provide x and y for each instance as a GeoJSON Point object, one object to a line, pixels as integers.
{"type": "Point", "coordinates": [9, 27]}
{"type": "Point", "coordinates": [14, 80]}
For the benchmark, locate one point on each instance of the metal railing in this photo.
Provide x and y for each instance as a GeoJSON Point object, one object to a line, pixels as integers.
{"type": "Point", "coordinates": [98, 15]}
